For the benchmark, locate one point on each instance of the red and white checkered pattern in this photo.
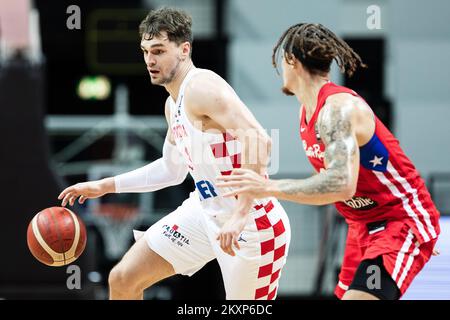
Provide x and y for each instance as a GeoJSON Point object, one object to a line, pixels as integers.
{"type": "Point", "coordinates": [268, 223]}
{"type": "Point", "coordinates": [273, 250]}
{"type": "Point", "coordinates": [229, 153]}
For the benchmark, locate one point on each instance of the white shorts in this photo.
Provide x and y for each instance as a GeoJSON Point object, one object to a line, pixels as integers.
{"type": "Point", "coordinates": [186, 238]}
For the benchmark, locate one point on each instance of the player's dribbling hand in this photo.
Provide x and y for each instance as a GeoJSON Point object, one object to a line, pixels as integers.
{"type": "Point", "coordinates": [86, 190]}
{"type": "Point", "coordinates": [229, 234]}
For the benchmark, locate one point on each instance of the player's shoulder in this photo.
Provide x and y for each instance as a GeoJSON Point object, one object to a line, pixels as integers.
{"type": "Point", "coordinates": [341, 99]}
{"type": "Point", "coordinates": [204, 80]}
{"type": "Point", "coordinates": [338, 103]}
{"type": "Point", "coordinates": [206, 89]}
{"type": "Point", "coordinates": [347, 102]}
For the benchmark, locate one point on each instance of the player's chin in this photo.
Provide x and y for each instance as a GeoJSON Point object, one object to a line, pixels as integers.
{"type": "Point", "coordinates": [157, 80]}
{"type": "Point", "coordinates": [287, 91]}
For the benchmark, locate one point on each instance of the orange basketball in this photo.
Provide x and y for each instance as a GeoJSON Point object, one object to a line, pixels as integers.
{"type": "Point", "coordinates": [56, 236]}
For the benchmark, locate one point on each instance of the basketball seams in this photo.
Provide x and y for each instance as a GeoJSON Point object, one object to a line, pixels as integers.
{"type": "Point", "coordinates": [58, 234]}
{"type": "Point", "coordinates": [71, 252]}
{"type": "Point", "coordinates": [56, 256]}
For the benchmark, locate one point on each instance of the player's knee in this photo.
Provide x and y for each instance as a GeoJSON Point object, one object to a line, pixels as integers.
{"type": "Point", "coordinates": [121, 279]}
{"type": "Point", "coordinates": [116, 278]}
{"type": "Point", "coordinates": [358, 295]}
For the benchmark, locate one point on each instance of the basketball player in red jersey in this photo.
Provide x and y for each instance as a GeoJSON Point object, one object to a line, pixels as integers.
{"type": "Point", "coordinates": [393, 223]}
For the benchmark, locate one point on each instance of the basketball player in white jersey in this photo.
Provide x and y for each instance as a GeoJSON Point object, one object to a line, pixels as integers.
{"type": "Point", "coordinates": [208, 133]}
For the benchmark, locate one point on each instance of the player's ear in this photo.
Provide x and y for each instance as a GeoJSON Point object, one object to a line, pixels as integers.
{"type": "Point", "coordinates": [299, 68]}
{"type": "Point", "coordinates": [290, 59]}
{"type": "Point", "coordinates": [185, 50]}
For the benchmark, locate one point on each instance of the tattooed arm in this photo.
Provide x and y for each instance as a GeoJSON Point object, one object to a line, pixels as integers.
{"type": "Point", "coordinates": [337, 182]}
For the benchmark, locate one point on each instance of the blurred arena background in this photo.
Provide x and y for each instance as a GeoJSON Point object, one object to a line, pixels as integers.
{"type": "Point", "coordinates": [76, 104]}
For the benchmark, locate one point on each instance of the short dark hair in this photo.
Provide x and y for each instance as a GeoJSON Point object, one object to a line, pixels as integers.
{"type": "Point", "coordinates": [316, 47]}
{"type": "Point", "coordinates": [175, 22]}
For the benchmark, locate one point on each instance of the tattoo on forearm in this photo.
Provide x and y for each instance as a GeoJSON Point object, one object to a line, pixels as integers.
{"type": "Point", "coordinates": [330, 182]}
{"type": "Point", "coordinates": [335, 130]}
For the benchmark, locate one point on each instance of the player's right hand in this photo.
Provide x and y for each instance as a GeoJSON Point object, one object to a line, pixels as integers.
{"type": "Point", "coordinates": [229, 233]}
{"type": "Point", "coordinates": [86, 190]}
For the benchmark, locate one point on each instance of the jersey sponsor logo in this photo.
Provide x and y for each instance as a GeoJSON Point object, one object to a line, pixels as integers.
{"type": "Point", "coordinates": [361, 203]}
{"type": "Point", "coordinates": [313, 151]}
{"type": "Point", "coordinates": [205, 189]}
{"type": "Point", "coordinates": [172, 233]}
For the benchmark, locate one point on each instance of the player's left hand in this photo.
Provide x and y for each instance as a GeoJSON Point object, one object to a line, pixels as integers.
{"type": "Point", "coordinates": [229, 234]}
{"type": "Point", "coordinates": [246, 182]}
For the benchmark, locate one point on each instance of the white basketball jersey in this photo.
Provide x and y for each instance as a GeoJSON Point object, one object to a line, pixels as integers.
{"type": "Point", "coordinates": [208, 155]}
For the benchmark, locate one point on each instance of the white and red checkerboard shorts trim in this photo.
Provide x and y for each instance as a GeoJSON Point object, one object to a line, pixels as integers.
{"type": "Point", "coordinates": [186, 238]}
{"type": "Point", "coordinates": [274, 234]}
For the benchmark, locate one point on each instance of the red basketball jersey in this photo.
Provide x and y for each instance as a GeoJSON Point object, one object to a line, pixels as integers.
{"type": "Point", "coordinates": [389, 186]}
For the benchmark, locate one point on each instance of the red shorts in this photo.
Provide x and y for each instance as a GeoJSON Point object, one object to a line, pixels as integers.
{"type": "Point", "coordinates": [403, 256]}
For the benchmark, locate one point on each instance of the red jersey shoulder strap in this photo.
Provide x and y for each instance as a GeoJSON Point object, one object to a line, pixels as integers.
{"type": "Point", "coordinates": [330, 89]}
{"type": "Point", "coordinates": [327, 90]}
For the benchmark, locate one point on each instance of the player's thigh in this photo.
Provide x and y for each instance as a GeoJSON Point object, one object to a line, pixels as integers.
{"type": "Point", "coordinates": [141, 266]}
{"type": "Point", "coordinates": [372, 281]}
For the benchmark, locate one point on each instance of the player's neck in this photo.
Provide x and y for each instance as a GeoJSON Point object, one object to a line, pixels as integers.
{"type": "Point", "coordinates": [174, 86]}
{"type": "Point", "coordinates": [308, 93]}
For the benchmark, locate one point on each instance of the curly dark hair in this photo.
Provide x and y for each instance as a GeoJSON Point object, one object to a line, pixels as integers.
{"type": "Point", "coordinates": [316, 47]}
{"type": "Point", "coordinates": [175, 22]}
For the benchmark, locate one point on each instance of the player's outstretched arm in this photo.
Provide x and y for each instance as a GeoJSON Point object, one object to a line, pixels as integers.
{"type": "Point", "coordinates": [169, 170]}
{"type": "Point", "coordinates": [336, 183]}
